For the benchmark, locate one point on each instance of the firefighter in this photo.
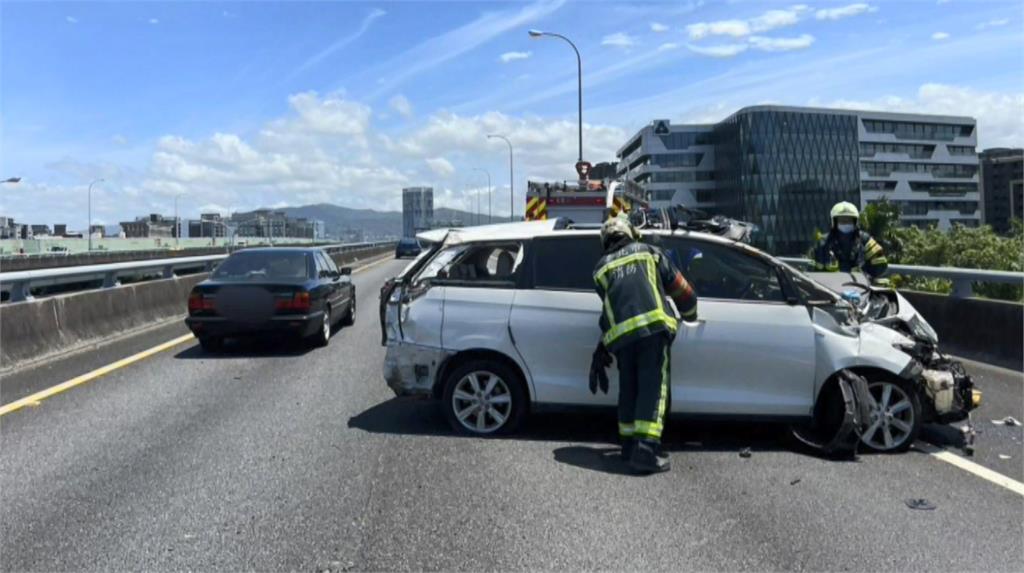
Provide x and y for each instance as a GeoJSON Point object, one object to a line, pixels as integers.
{"type": "Point", "coordinates": [638, 326]}
{"type": "Point", "coordinates": [851, 247]}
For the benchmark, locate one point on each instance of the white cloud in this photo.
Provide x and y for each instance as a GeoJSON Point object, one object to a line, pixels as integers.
{"type": "Point", "coordinates": [844, 11]}
{"type": "Point", "coordinates": [513, 56]}
{"type": "Point", "coordinates": [734, 28]}
{"type": "Point", "coordinates": [154, 21]}
{"type": "Point", "coordinates": [668, 46]}
{"type": "Point", "coordinates": [401, 104]}
{"type": "Point", "coordinates": [940, 36]}
{"type": "Point", "coordinates": [658, 27]}
{"type": "Point", "coordinates": [1000, 123]}
{"type": "Point", "coordinates": [738, 28]}
{"type": "Point", "coordinates": [339, 44]}
{"type": "Point", "coordinates": [993, 23]}
{"type": "Point", "coordinates": [618, 39]}
{"type": "Point", "coordinates": [782, 44]}
{"type": "Point", "coordinates": [70, 19]}
{"type": "Point", "coordinates": [440, 166]}
{"type": "Point", "coordinates": [720, 51]}
{"type": "Point", "coordinates": [119, 139]}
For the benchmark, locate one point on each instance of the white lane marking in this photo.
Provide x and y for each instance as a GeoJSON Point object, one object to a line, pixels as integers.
{"type": "Point", "coordinates": [971, 467]}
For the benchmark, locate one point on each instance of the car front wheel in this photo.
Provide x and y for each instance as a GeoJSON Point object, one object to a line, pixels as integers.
{"type": "Point", "coordinates": [895, 416]}
{"type": "Point", "coordinates": [484, 397]}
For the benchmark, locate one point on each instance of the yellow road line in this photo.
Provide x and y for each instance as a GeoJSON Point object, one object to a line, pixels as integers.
{"type": "Point", "coordinates": [971, 467]}
{"type": "Point", "coordinates": [35, 399]}
{"type": "Point", "coordinates": [373, 264]}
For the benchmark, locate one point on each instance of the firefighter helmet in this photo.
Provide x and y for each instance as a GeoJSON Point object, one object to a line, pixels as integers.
{"type": "Point", "coordinates": [845, 209]}
{"type": "Point", "coordinates": [616, 227]}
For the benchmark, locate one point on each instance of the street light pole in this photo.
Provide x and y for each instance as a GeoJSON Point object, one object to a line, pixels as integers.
{"type": "Point", "coordinates": [579, 79]}
{"type": "Point", "coordinates": [89, 230]}
{"type": "Point", "coordinates": [511, 186]}
{"type": "Point", "coordinates": [489, 192]}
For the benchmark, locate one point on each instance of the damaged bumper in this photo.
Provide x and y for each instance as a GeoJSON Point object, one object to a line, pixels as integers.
{"type": "Point", "coordinates": [411, 370]}
{"type": "Point", "coordinates": [948, 388]}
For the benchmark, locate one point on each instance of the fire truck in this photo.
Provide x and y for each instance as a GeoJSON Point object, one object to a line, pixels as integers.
{"type": "Point", "coordinates": [582, 201]}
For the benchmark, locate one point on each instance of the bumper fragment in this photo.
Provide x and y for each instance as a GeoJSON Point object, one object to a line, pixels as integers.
{"type": "Point", "coordinates": [411, 370]}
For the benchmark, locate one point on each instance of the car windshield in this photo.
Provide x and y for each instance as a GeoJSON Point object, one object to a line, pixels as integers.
{"type": "Point", "coordinates": [258, 265]}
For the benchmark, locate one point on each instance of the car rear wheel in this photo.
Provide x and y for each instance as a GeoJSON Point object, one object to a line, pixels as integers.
{"type": "Point", "coordinates": [484, 397]}
{"type": "Point", "coordinates": [895, 416]}
{"type": "Point", "coordinates": [323, 336]}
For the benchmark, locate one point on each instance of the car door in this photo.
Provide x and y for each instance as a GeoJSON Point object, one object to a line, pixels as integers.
{"type": "Point", "coordinates": [341, 289]}
{"type": "Point", "coordinates": [555, 319]}
{"type": "Point", "coordinates": [479, 286]}
{"type": "Point", "coordinates": [325, 282]}
{"type": "Point", "coordinates": [751, 353]}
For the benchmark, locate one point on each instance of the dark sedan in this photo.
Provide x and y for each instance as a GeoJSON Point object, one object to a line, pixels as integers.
{"type": "Point", "coordinates": [294, 291]}
{"type": "Point", "coordinates": [408, 248]}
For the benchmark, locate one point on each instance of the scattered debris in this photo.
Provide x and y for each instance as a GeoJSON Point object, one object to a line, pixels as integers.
{"type": "Point", "coordinates": [796, 481]}
{"type": "Point", "coordinates": [745, 453]}
{"type": "Point", "coordinates": [1007, 421]}
{"type": "Point", "coordinates": [919, 503]}
{"type": "Point", "coordinates": [1004, 457]}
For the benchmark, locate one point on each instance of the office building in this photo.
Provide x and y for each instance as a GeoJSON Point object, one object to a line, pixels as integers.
{"type": "Point", "coordinates": [208, 225]}
{"type": "Point", "coordinates": [675, 164]}
{"type": "Point", "coordinates": [417, 210]}
{"type": "Point", "coordinates": [151, 226]}
{"type": "Point", "coordinates": [41, 231]}
{"type": "Point", "coordinates": [1002, 186]}
{"type": "Point", "coordinates": [783, 168]}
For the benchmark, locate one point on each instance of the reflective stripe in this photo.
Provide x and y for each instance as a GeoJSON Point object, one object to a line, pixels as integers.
{"type": "Point", "coordinates": [635, 257]}
{"type": "Point", "coordinates": [649, 429]}
{"type": "Point", "coordinates": [626, 430]}
{"type": "Point", "coordinates": [689, 313]}
{"type": "Point", "coordinates": [663, 400]}
{"type": "Point", "coordinates": [873, 248]}
{"type": "Point", "coordinates": [638, 322]}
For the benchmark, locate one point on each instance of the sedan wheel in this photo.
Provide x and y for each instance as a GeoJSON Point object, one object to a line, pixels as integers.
{"type": "Point", "coordinates": [323, 336]}
{"type": "Point", "coordinates": [483, 398]}
{"type": "Point", "coordinates": [895, 417]}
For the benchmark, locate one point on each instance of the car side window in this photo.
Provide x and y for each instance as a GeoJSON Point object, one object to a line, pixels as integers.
{"type": "Point", "coordinates": [566, 263]}
{"type": "Point", "coordinates": [483, 265]}
{"type": "Point", "coordinates": [329, 263]}
{"type": "Point", "coordinates": [724, 272]}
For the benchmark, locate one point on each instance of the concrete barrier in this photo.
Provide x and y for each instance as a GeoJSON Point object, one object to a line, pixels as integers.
{"type": "Point", "coordinates": [39, 329]}
{"type": "Point", "coordinates": [981, 329]}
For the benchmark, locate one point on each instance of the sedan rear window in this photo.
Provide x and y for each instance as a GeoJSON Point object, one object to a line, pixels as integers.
{"type": "Point", "coordinates": [260, 265]}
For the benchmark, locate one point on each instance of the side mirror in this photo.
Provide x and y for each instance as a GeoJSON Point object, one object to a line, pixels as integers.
{"type": "Point", "coordinates": [345, 271]}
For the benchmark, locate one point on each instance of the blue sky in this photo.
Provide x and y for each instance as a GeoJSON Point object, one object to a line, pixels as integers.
{"type": "Point", "coordinates": [239, 105]}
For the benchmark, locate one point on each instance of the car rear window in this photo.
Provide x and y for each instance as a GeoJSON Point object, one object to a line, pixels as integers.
{"type": "Point", "coordinates": [261, 265]}
{"type": "Point", "coordinates": [566, 263]}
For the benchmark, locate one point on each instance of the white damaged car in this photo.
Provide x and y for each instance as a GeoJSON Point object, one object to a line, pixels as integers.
{"type": "Point", "coordinates": [499, 320]}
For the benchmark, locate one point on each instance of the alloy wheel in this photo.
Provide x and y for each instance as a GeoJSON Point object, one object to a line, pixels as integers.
{"type": "Point", "coordinates": [892, 417]}
{"type": "Point", "coordinates": [482, 402]}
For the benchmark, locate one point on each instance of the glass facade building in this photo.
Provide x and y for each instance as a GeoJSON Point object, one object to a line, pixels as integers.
{"type": "Point", "coordinates": [417, 210]}
{"type": "Point", "coordinates": [784, 170]}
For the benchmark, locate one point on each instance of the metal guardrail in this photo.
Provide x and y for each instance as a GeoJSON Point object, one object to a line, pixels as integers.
{"type": "Point", "coordinates": [20, 283]}
{"type": "Point", "coordinates": [961, 278]}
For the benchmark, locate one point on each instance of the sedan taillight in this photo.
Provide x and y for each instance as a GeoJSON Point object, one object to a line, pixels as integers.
{"type": "Point", "coordinates": [198, 302]}
{"type": "Point", "coordinates": [298, 303]}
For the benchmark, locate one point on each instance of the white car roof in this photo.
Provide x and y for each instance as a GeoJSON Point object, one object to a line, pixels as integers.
{"type": "Point", "coordinates": [524, 230]}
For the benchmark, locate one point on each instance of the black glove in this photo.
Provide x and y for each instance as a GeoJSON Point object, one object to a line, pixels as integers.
{"type": "Point", "coordinates": [600, 360]}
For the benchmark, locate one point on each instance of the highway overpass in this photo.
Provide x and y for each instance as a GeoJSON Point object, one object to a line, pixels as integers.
{"type": "Point", "coordinates": [157, 456]}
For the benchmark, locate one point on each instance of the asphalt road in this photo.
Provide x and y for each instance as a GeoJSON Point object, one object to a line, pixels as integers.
{"type": "Point", "coordinates": [273, 457]}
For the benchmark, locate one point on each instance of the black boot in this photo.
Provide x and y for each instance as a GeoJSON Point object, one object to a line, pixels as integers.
{"type": "Point", "coordinates": [628, 445]}
{"type": "Point", "coordinates": [647, 458]}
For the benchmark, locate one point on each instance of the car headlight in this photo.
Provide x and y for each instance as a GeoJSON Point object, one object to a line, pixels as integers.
{"type": "Point", "coordinates": [922, 330]}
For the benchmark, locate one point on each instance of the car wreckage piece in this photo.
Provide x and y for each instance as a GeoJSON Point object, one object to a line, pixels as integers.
{"type": "Point", "coordinates": [840, 418]}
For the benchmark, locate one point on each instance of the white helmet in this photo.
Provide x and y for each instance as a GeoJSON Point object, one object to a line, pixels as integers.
{"type": "Point", "coordinates": [617, 227]}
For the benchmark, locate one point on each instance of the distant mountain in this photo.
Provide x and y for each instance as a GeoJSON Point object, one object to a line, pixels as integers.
{"type": "Point", "coordinates": [343, 221]}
